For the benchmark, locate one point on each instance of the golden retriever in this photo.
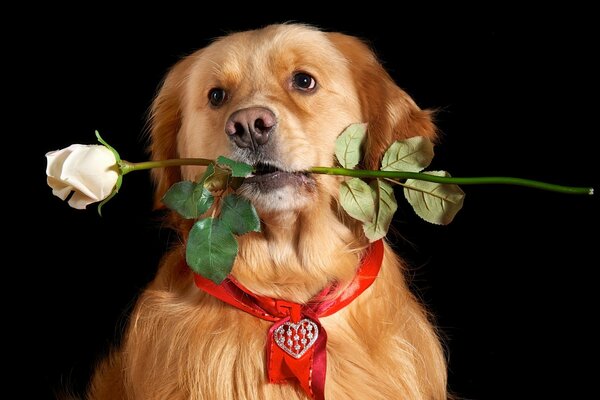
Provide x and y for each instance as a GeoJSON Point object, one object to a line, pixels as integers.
{"type": "Point", "coordinates": [278, 96]}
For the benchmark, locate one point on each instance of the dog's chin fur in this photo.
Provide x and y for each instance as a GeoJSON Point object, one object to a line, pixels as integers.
{"type": "Point", "coordinates": [184, 344]}
{"type": "Point", "coordinates": [289, 198]}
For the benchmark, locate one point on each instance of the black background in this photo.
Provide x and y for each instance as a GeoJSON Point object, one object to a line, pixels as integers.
{"type": "Point", "coordinates": [509, 281]}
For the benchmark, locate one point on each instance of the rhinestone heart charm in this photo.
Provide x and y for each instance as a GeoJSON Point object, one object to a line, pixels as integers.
{"type": "Point", "coordinates": [296, 339]}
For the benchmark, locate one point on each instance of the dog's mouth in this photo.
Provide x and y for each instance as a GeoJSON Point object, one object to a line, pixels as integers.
{"type": "Point", "coordinates": [268, 177]}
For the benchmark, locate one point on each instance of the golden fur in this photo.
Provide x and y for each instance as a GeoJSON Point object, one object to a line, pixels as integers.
{"type": "Point", "coordinates": [184, 344]}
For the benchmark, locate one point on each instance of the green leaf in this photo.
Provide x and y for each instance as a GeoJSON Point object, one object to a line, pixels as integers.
{"type": "Point", "coordinates": [188, 199]}
{"type": "Point", "coordinates": [434, 202]}
{"type": "Point", "coordinates": [210, 170]}
{"type": "Point", "coordinates": [238, 169]}
{"type": "Point", "coordinates": [410, 155]}
{"type": "Point", "coordinates": [386, 206]}
{"type": "Point", "coordinates": [215, 178]}
{"type": "Point", "coordinates": [357, 199]}
{"type": "Point", "coordinates": [348, 144]}
{"type": "Point", "coordinates": [179, 198]}
{"type": "Point", "coordinates": [211, 249]}
{"type": "Point", "coordinates": [239, 215]}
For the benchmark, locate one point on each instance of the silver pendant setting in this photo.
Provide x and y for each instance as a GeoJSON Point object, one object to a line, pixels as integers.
{"type": "Point", "coordinates": [296, 339]}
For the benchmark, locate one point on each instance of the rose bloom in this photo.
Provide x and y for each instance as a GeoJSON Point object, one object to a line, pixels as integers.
{"type": "Point", "coordinates": [89, 172]}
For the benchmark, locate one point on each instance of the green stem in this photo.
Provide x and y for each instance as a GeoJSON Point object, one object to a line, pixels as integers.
{"type": "Point", "coordinates": [487, 180]}
{"type": "Point", "coordinates": [127, 167]}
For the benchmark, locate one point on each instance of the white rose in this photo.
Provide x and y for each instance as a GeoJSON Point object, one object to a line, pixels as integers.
{"type": "Point", "coordinates": [90, 172]}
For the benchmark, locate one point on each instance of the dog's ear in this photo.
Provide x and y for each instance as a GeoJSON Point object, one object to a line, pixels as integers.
{"type": "Point", "coordinates": [390, 112]}
{"type": "Point", "coordinates": [165, 123]}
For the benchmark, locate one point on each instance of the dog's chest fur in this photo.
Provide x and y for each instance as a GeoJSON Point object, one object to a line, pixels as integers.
{"type": "Point", "coordinates": [184, 344]}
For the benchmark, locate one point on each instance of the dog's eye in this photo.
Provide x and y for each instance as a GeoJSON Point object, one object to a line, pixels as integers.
{"type": "Point", "coordinates": [217, 96]}
{"type": "Point", "coordinates": [303, 81]}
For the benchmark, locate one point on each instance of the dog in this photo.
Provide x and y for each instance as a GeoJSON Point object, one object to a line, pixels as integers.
{"type": "Point", "coordinates": [278, 97]}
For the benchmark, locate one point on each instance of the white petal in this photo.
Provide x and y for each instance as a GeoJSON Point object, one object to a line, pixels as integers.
{"type": "Point", "coordinates": [80, 201]}
{"type": "Point", "coordinates": [57, 158]}
{"type": "Point", "coordinates": [59, 188]}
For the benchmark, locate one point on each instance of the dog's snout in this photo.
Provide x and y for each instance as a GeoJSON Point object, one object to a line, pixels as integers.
{"type": "Point", "coordinates": [250, 127]}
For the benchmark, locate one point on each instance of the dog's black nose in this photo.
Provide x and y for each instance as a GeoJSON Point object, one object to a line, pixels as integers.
{"type": "Point", "coordinates": [250, 127]}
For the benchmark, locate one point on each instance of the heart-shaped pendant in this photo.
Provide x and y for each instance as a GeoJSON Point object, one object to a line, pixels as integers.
{"type": "Point", "coordinates": [296, 339]}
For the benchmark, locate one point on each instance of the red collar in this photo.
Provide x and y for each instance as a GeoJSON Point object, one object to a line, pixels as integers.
{"type": "Point", "coordinates": [296, 342]}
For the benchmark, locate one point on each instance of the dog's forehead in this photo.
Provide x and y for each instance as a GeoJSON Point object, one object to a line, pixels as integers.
{"type": "Point", "coordinates": [276, 47]}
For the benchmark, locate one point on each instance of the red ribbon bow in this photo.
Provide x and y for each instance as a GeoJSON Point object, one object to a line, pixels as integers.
{"type": "Point", "coordinates": [296, 343]}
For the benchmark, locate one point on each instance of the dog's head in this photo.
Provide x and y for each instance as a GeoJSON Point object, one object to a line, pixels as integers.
{"type": "Point", "coordinates": [277, 98]}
